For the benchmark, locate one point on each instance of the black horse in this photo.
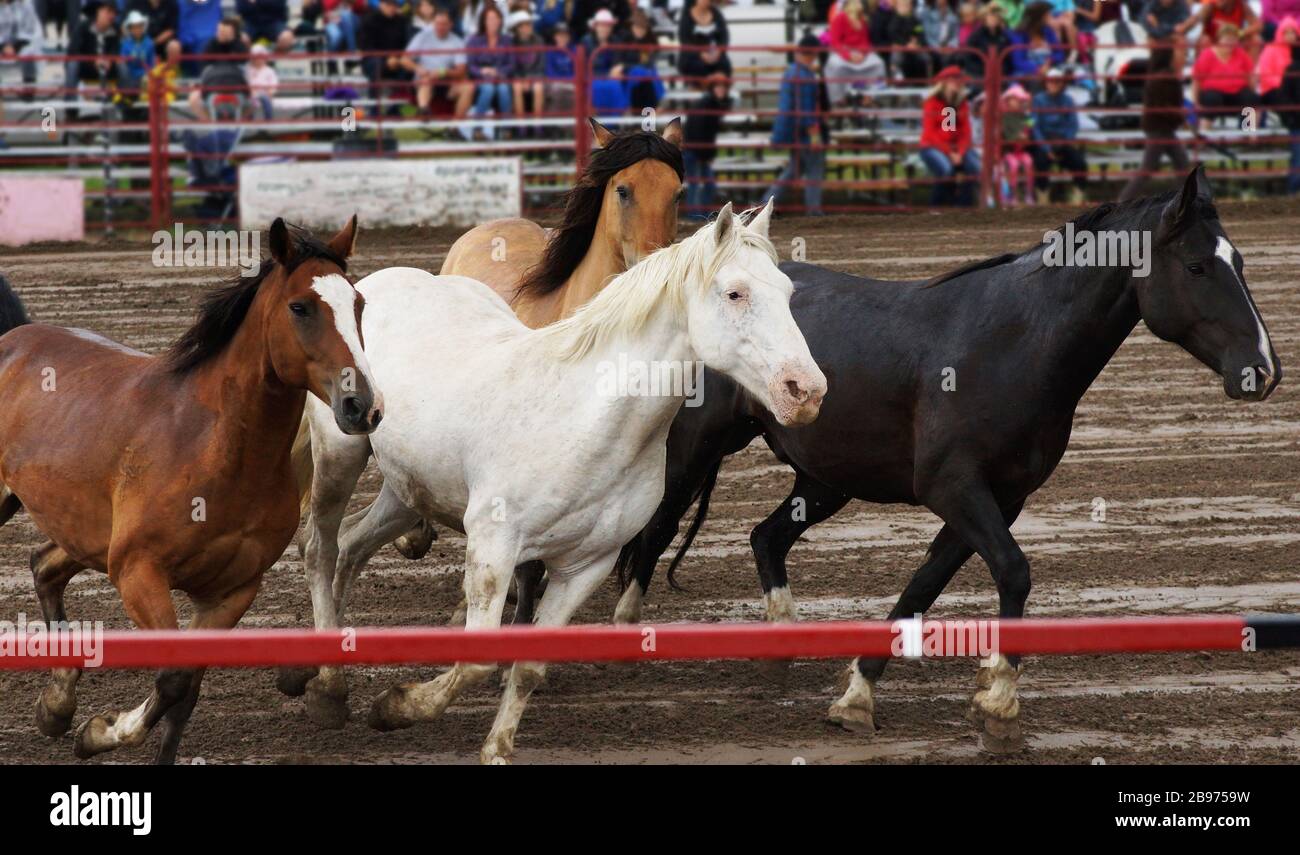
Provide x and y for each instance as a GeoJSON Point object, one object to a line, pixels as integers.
{"type": "Point", "coordinates": [959, 394]}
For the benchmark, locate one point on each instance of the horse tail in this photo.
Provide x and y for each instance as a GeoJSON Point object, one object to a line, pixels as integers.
{"type": "Point", "coordinates": [12, 311]}
{"type": "Point", "coordinates": [701, 511]}
{"type": "Point", "coordinates": [301, 461]}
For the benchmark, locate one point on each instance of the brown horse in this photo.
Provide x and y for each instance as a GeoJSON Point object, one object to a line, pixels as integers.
{"type": "Point", "coordinates": [173, 473]}
{"type": "Point", "coordinates": [623, 208]}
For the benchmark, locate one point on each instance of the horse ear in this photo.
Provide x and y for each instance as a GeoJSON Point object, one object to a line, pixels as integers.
{"type": "Point", "coordinates": [281, 242]}
{"type": "Point", "coordinates": [1203, 189]}
{"type": "Point", "coordinates": [673, 132]}
{"type": "Point", "coordinates": [726, 222]}
{"type": "Point", "coordinates": [762, 220]}
{"type": "Point", "coordinates": [343, 243]}
{"type": "Point", "coordinates": [603, 134]}
{"type": "Point", "coordinates": [1197, 186]}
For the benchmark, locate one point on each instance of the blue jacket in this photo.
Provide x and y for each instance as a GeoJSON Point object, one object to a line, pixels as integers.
{"type": "Point", "coordinates": [1025, 62]}
{"type": "Point", "coordinates": [197, 24]}
{"type": "Point", "coordinates": [559, 64]}
{"type": "Point", "coordinates": [1052, 125]}
{"type": "Point", "coordinates": [139, 57]}
{"type": "Point", "coordinates": [797, 105]}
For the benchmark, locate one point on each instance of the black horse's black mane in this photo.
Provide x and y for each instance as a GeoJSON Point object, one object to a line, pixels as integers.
{"type": "Point", "coordinates": [223, 310]}
{"type": "Point", "coordinates": [1134, 213]}
{"type": "Point", "coordinates": [570, 240]}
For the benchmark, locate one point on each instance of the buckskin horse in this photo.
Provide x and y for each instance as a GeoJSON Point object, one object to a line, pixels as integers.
{"type": "Point", "coordinates": [1023, 342]}
{"type": "Point", "coordinates": [173, 472]}
{"type": "Point", "coordinates": [512, 408]}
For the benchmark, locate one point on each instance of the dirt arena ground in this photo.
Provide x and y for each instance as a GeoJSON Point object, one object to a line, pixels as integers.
{"type": "Point", "coordinates": [1203, 500]}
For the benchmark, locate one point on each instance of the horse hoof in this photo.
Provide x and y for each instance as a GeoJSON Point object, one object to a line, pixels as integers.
{"type": "Point", "coordinates": [851, 719]}
{"type": "Point", "coordinates": [53, 719]}
{"type": "Point", "coordinates": [1002, 736]}
{"type": "Point", "coordinates": [327, 708]}
{"type": "Point", "coordinates": [293, 681]}
{"type": "Point", "coordinates": [417, 542]}
{"type": "Point", "coordinates": [385, 712]}
{"type": "Point", "coordinates": [92, 736]}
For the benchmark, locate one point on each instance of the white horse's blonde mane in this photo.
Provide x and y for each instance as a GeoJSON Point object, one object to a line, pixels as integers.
{"type": "Point", "coordinates": [625, 306]}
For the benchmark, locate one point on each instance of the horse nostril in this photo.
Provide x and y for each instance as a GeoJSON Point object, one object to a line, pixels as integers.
{"type": "Point", "coordinates": [376, 417]}
{"type": "Point", "coordinates": [353, 408]}
{"type": "Point", "coordinates": [794, 390]}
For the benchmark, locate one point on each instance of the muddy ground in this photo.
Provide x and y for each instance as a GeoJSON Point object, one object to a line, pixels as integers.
{"type": "Point", "coordinates": [1203, 516]}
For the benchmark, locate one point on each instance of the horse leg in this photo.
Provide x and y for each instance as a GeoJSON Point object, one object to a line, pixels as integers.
{"type": "Point", "coordinates": [339, 461]}
{"type": "Point", "coordinates": [565, 592]}
{"type": "Point", "coordinates": [363, 534]}
{"type": "Point", "coordinates": [808, 504]}
{"type": "Point", "coordinates": [489, 564]}
{"type": "Point", "coordinates": [974, 516]}
{"type": "Point", "coordinates": [528, 587]}
{"type": "Point", "coordinates": [855, 710]}
{"type": "Point", "coordinates": [146, 596]}
{"type": "Point", "coordinates": [51, 571]}
{"type": "Point", "coordinates": [221, 614]}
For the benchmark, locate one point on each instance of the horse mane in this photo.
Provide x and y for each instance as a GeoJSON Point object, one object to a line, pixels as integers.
{"type": "Point", "coordinates": [625, 305]}
{"type": "Point", "coordinates": [1132, 213]}
{"type": "Point", "coordinates": [222, 310]}
{"type": "Point", "coordinates": [570, 240]}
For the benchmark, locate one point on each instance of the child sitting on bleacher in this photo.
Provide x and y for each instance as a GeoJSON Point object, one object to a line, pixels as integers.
{"type": "Point", "coordinates": [137, 49]}
{"type": "Point", "coordinates": [262, 79]}
{"type": "Point", "coordinates": [559, 70]}
{"type": "Point", "coordinates": [1017, 164]}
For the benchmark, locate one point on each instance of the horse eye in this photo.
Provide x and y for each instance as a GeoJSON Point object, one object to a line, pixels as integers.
{"type": "Point", "coordinates": [1196, 269]}
{"type": "Point", "coordinates": [299, 309]}
{"type": "Point", "coordinates": [733, 296]}
{"type": "Point", "coordinates": [622, 192]}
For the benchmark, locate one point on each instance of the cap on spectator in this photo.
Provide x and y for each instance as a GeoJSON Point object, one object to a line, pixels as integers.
{"type": "Point", "coordinates": [559, 27]}
{"type": "Point", "coordinates": [1055, 74]}
{"type": "Point", "coordinates": [604, 16]}
{"type": "Point", "coordinates": [259, 49]}
{"type": "Point", "coordinates": [135, 19]}
{"type": "Point", "coordinates": [952, 72]}
{"type": "Point", "coordinates": [517, 17]}
{"type": "Point", "coordinates": [810, 42]}
{"type": "Point", "coordinates": [1016, 91]}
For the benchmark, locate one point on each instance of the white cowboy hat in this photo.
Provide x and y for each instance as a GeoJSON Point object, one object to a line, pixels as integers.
{"type": "Point", "coordinates": [135, 19]}
{"type": "Point", "coordinates": [604, 16]}
{"type": "Point", "coordinates": [517, 17]}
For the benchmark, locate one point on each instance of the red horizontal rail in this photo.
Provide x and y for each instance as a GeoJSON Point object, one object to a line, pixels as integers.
{"type": "Point", "coordinates": [374, 646]}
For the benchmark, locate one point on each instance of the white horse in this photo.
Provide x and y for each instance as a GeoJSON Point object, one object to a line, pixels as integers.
{"type": "Point", "coordinates": [517, 438]}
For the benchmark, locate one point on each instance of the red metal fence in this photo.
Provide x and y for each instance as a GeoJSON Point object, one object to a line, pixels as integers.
{"type": "Point", "coordinates": [426, 645]}
{"type": "Point", "coordinates": [118, 138]}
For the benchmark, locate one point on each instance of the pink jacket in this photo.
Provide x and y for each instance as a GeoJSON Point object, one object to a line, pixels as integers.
{"type": "Point", "coordinates": [1275, 57]}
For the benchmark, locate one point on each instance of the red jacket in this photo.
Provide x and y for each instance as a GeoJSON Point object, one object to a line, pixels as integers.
{"type": "Point", "coordinates": [845, 37]}
{"type": "Point", "coordinates": [948, 137]}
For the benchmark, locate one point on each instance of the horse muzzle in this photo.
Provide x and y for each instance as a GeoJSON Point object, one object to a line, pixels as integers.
{"type": "Point", "coordinates": [358, 412]}
{"type": "Point", "coordinates": [796, 394]}
{"type": "Point", "coordinates": [1252, 382]}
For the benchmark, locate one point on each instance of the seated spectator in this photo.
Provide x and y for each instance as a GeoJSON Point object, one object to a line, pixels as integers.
{"type": "Point", "coordinates": [163, 18]}
{"type": "Point", "coordinates": [384, 29]}
{"type": "Point", "coordinates": [1055, 128]}
{"type": "Point", "coordinates": [98, 38]}
{"type": "Point", "coordinates": [851, 62]}
{"type": "Point", "coordinates": [608, 92]}
{"type": "Point", "coordinates": [1274, 61]}
{"type": "Point", "coordinates": [1166, 20]}
{"type": "Point", "coordinates": [644, 88]}
{"type": "Point", "coordinates": [700, 145]}
{"type": "Point", "coordinates": [196, 24]}
{"type": "Point", "coordinates": [968, 17]}
{"type": "Point", "coordinates": [168, 68]}
{"type": "Point", "coordinates": [1238, 13]}
{"type": "Point", "coordinates": [584, 11]}
{"type": "Point", "coordinates": [266, 21]}
{"type": "Point", "coordinates": [992, 33]}
{"type": "Point", "coordinates": [1013, 12]}
{"type": "Point", "coordinates": [1038, 47]}
{"type": "Point", "coordinates": [262, 80]}
{"type": "Point", "coordinates": [1061, 17]}
{"type": "Point", "coordinates": [940, 25]}
{"type": "Point", "coordinates": [527, 67]}
{"type": "Point", "coordinates": [1017, 163]}
{"type": "Point", "coordinates": [219, 76]}
{"type": "Point", "coordinates": [946, 148]}
{"type": "Point", "coordinates": [21, 35]}
{"type": "Point", "coordinates": [559, 70]}
{"type": "Point", "coordinates": [703, 30]}
{"type": "Point", "coordinates": [1273, 12]}
{"type": "Point", "coordinates": [906, 34]}
{"type": "Point", "coordinates": [439, 77]}
{"type": "Point", "coordinates": [489, 68]}
{"type": "Point", "coordinates": [799, 127]}
{"type": "Point", "coordinates": [548, 14]}
{"type": "Point", "coordinates": [137, 51]}
{"type": "Point", "coordinates": [339, 20]}
{"type": "Point", "coordinates": [471, 15]}
{"type": "Point", "coordinates": [1222, 77]}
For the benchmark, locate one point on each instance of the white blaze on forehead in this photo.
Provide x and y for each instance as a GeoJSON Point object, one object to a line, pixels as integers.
{"type": "Point", "coordinates": [342, 298]}
{"type": "Point", "coordinates": [1223, 249]}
